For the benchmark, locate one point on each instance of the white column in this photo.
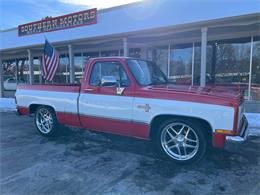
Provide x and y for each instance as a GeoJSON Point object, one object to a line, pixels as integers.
{"type": "Point", "coordinates": [72, 68]}
{"type": "Point", "coordinates": [125, 47]}
{"type": "Point", "coordinates": [192, 64]}
{"type": "Point", "coordinates": [250, 68]}
{"type": "Point", "coordinates": [1, 78]}
{"type": "Point", "coordinates": [30, 61]}
{"type": "Point", "coordinates": [203, 56]}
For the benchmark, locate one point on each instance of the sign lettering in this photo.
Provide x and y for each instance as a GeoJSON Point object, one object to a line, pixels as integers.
{"type": "Point", "coordinates": [82, 18]}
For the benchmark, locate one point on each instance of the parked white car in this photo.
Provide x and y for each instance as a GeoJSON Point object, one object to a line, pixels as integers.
{"type": "Point", "coordinates": [10, 84]}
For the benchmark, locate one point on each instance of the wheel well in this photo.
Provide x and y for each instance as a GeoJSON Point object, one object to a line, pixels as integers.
{"type": "Point", "coordinates": [158, 120]}
{"type": "Point", "coordinates": [33, 108]}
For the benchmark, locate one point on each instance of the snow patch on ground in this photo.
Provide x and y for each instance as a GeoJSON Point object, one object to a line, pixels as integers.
{"type": "Point", "coordinates": [253, 123]}
{"type": "Point", "coordinates": [8, 104]}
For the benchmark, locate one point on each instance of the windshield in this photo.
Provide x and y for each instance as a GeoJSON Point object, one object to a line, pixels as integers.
{"type": "Point", "coordinates": [146, 73]}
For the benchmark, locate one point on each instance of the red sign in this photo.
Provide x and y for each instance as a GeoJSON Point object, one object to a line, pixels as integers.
{"type": "Point", "coordinates": [82, 18]}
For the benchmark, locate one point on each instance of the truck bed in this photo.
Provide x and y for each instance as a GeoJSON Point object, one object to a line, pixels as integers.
{"type": "Point", "coordinates": [62, 98]}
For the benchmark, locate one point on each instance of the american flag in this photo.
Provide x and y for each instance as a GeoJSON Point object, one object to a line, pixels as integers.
{"type": "Point", "coordinates": [50, 62]}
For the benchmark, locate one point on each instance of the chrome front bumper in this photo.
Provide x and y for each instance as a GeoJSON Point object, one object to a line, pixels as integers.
{"type": "Point", "coordinates": [243, 133]}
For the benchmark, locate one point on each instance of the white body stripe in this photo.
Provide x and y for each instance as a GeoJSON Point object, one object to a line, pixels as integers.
{"type": "Point", "coordinates": [60, 101]}
{"type": "Point", "coordinates": [127, 108]}
{"type": "Point", "coordinates": [219, 117]}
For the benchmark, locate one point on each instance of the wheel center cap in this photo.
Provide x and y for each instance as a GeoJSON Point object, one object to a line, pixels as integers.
{"type": "Point", "coordinates": [180, 138]}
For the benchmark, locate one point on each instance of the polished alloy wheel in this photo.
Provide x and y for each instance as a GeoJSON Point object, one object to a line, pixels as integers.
{"type": "Point", "coordinates": [44, 120]}
{"type": "Point", "coordinates": [179, 141]}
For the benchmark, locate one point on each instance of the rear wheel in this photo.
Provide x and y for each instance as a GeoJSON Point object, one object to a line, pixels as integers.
{"type": "Point", "coordinates": [46, 121]}
{"type": "Point", "coordinates": [181, 141]}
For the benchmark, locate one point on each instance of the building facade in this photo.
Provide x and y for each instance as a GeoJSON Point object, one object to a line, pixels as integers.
{"type": "Point", "coordinates": [193, 43]}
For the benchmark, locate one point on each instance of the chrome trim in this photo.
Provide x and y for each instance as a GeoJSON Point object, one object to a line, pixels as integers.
{"type": "Point", "coordinates": [235, 138]}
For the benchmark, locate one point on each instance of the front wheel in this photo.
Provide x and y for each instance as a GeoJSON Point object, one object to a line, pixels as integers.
{"type": "Point", "coordinates": [46, 121]}
{"type": "Point", "coordinates": [181, 141]}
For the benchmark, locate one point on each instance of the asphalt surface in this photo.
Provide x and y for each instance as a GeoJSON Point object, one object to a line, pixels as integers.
{"type": "Point", "coordinates": [81, 162]}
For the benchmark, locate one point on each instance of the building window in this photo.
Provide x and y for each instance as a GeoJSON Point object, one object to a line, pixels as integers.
{"type": "Point", "coordinates": [79, 66]}
{"type": "Point", "coordinates": [110, 53]}
{"type": "Point", "coordinates": [37, 71]}
{"type": "Point", "coordinates": [180, 64]}
{"type": "Point", "coordinates": [94, 54]}
{"type": "Point", "coordinates": [121, 52]}
{"type": "Point", "coordinates": [197, 63]}
{"type": "Point", "coordinates": [23, 71]}
{"type": "Point", "coordinates": [9, 75]}
{"type": "Point", "coordinates": [62, 75]}
{"type": "Point", "coordinates": [135, 52]}
{"type": "Point", "coordinates": [161, 58]}
{"type": "Point", "coordinates": [255, 80]}
{"type": "Point", "coordinates": [228, 61]}
{"type": "Point", "coordinates": [256, 61]}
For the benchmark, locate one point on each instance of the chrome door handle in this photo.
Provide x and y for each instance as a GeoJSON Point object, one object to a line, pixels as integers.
{"type": "Point", "coordinates": [88, 89]}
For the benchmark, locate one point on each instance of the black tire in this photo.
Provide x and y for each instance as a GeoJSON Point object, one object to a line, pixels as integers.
{"type": "Point", "coordinates": [170, 152]}
{"type": "Point", "coordinates": [50, 116]}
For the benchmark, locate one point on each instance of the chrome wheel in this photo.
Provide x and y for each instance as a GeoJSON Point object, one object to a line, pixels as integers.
{"type": "Point", "coordinates": [44, 120]}
{"type": "Point", "coordinates": [179, 141]}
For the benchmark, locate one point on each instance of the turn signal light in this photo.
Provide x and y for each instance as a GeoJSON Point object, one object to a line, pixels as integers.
{"type": "Point", "coordinates": [226, 132]}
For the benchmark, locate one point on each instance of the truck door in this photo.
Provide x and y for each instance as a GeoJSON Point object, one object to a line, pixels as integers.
{"type": "Point", "coordinates": [106, 99]}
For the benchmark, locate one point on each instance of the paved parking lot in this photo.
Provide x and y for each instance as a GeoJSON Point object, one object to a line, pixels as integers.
{"type": "Point", "coordinates": [80, 162]}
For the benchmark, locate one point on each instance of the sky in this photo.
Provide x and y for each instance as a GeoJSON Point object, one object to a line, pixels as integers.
{"type": "Point", "coordinates": [16, 12]}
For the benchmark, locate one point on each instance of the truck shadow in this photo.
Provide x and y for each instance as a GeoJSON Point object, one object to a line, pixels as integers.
{"type": "Point", "coordinates": [85, 142]}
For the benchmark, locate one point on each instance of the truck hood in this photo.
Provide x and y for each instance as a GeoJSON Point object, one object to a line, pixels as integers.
{"type": "Point", "coordinates": [224, 95]}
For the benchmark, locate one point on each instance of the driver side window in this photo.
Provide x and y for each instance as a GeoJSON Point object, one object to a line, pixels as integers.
{"type": "Point", "coordinates": [101, 69]}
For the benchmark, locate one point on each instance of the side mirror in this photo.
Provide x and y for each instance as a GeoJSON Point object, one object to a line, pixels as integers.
{"type": "Point", "coordinates": [108, 81]}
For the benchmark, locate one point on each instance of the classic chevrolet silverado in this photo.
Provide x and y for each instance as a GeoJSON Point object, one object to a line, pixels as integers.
{"type": "Point", "coordinates": [132, 97]}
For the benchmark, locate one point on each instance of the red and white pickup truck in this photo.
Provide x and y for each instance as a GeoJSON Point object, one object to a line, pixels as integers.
{"type": "Point", "coordinates": [132, 97]}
